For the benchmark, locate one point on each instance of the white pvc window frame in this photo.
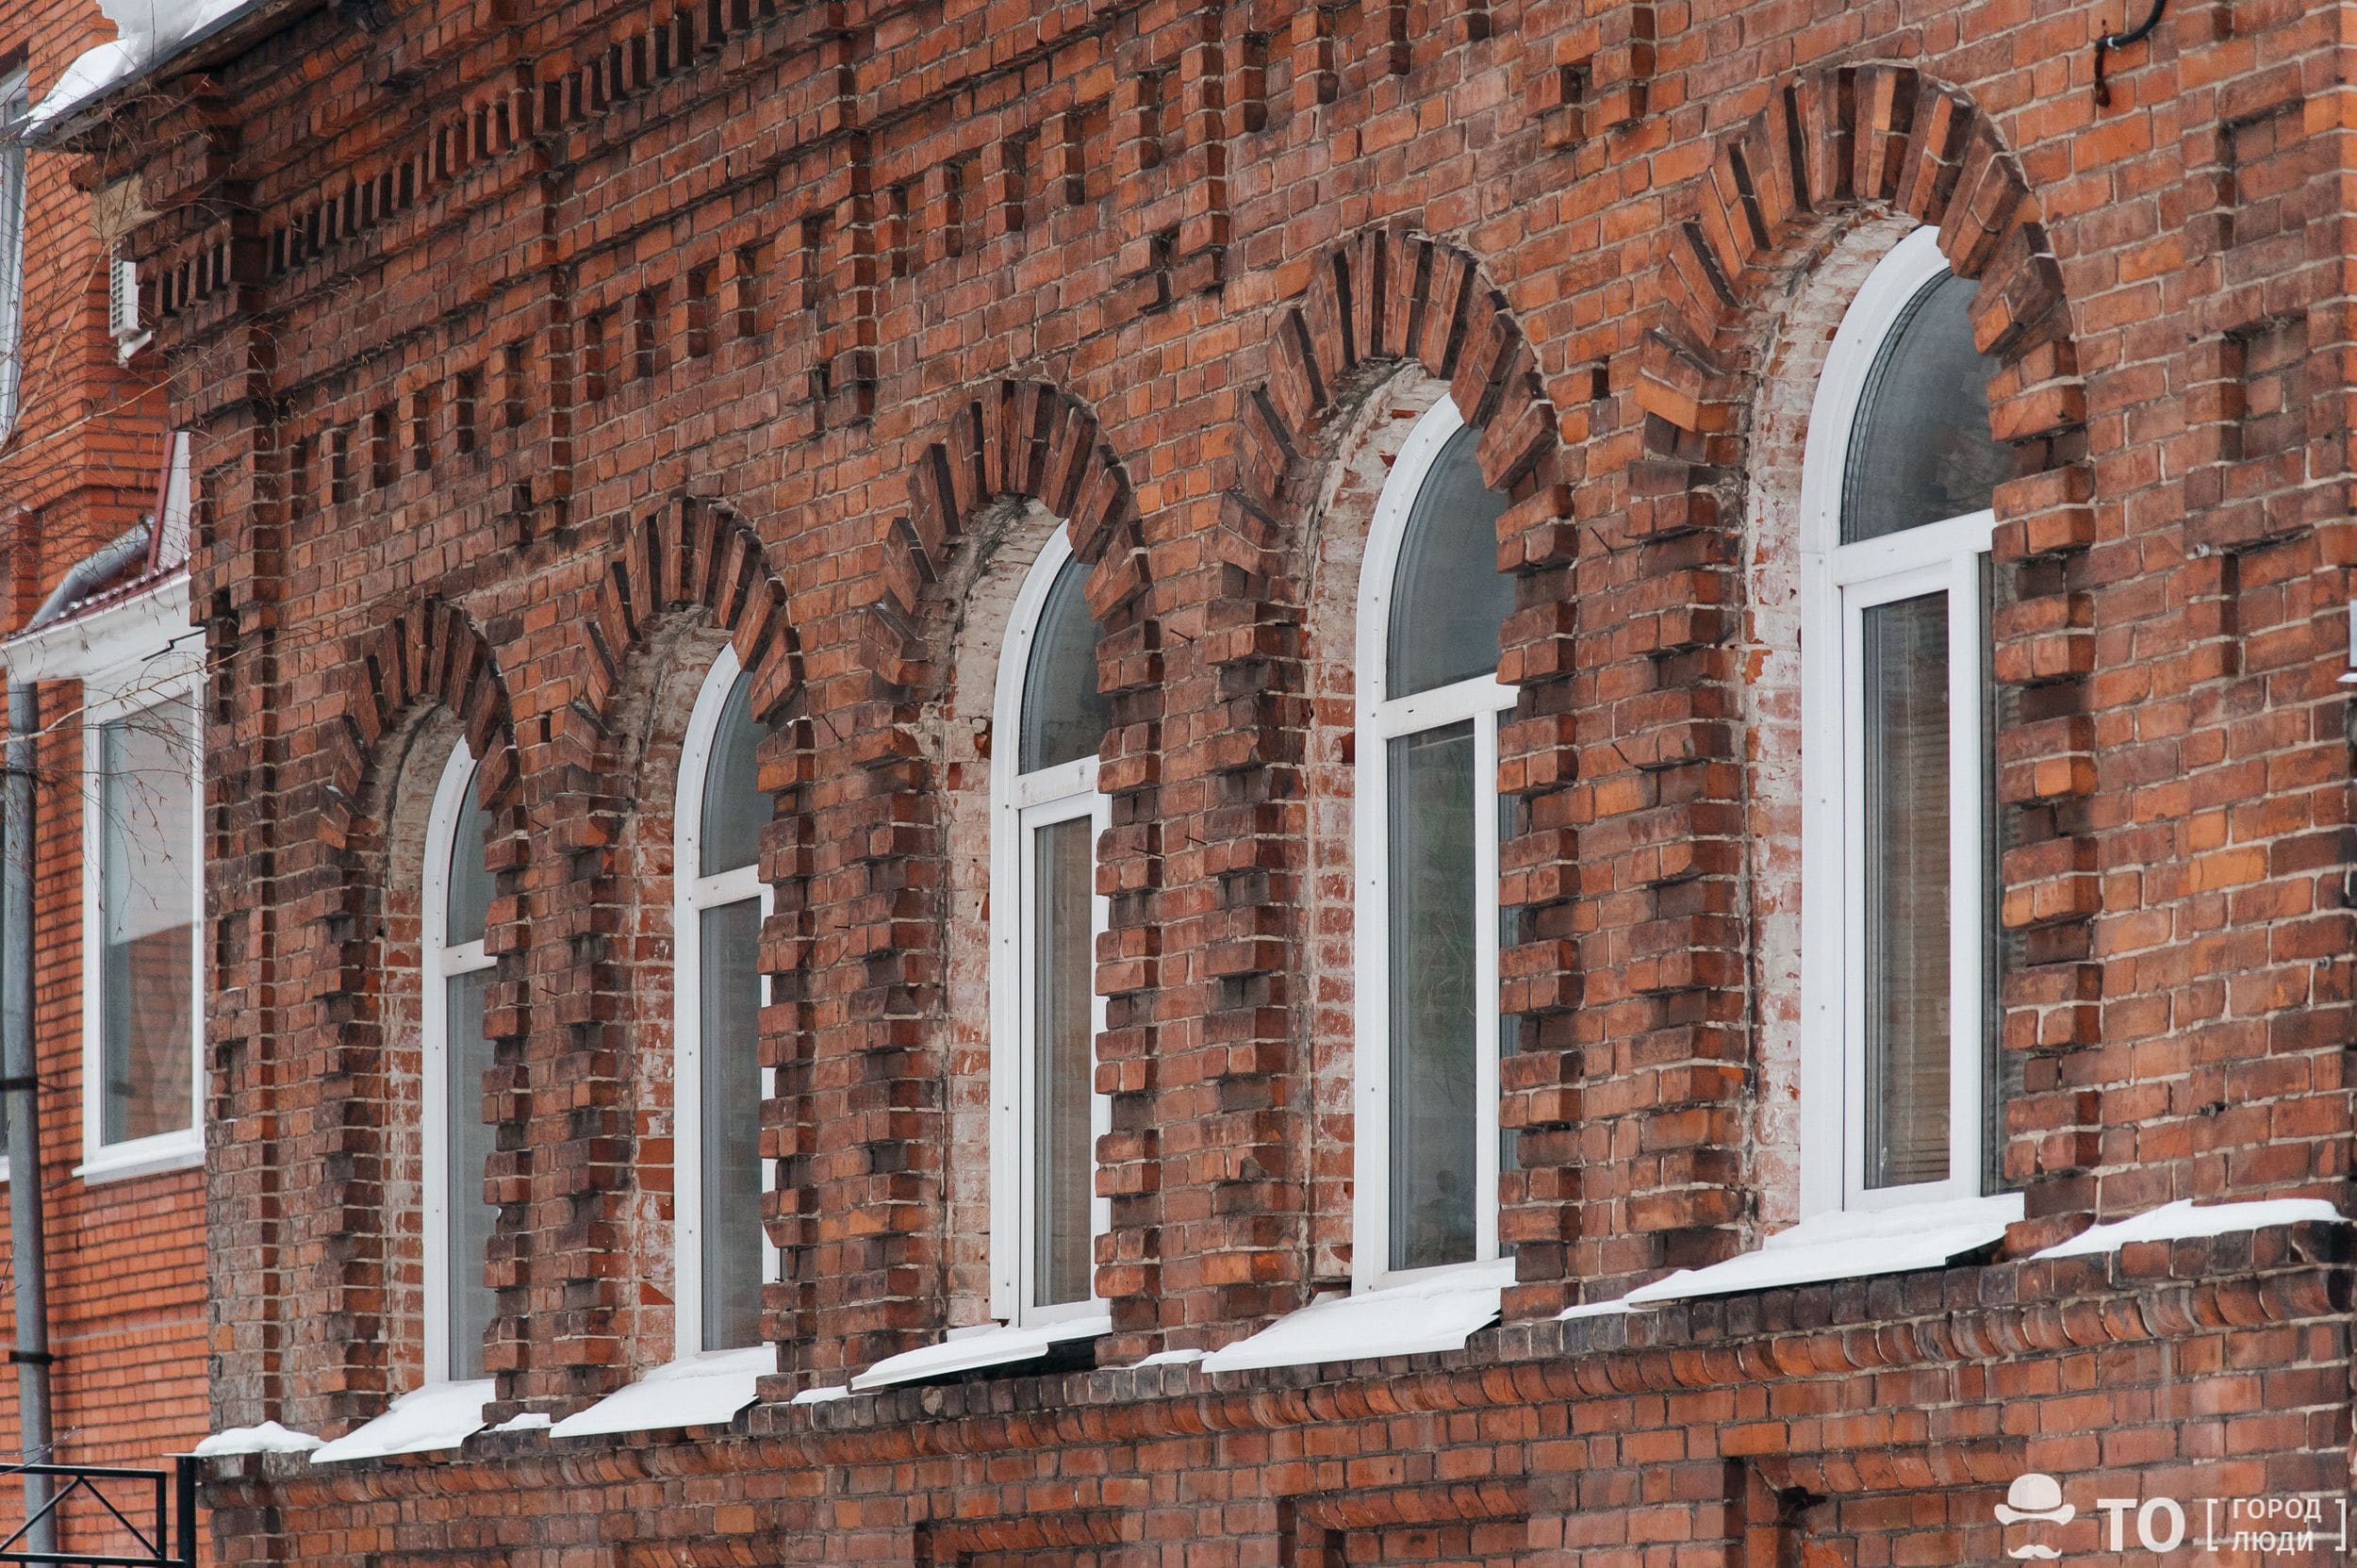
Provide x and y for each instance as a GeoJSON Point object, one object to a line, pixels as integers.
{"type": "Point", "coordinates": [1020, 805]}
{"type": "Point", "coordinates": [170, 672]}
{"type": "Point", "coordinates": [1839, 583]}
{"type": "Point", "coordinates": [440, 961]}
{"type": "Point", "coordinates": [14, 105]}
{"type": "Point", "coordinates": [1381, 719]}
{"type": "Point", "coordinates": [691, 895]}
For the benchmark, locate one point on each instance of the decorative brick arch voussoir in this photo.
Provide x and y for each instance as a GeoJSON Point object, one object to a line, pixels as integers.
{"type": "Point", "coordinates": [692, 555]}
{"type": "Point", "coordinates": [1386, 298]}
{"type": "Point", "coordinates": [431, 654]}
{"type": "Point", "coordinates": [1831, 141]}
{"type": "Point", "coordinates": [1031, 440]}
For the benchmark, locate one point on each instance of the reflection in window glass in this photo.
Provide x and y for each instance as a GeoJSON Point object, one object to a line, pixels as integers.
{"type": "Point", "coordinates": [13, 103]}
{"type": "Point", "coordinates": [733, 806]}
{"type": "Point", "coordinates": [1061, 1047]}
{"type": "Point", "coordinates": [1448, 597]}
{"type": "Point", "coordinates": [1064, 716]}
{"type": "Point", "coordinates": [1908, 892]}
{"type": "Point", "coordinates": [469, 904]}
{"type": "Point", "coordinates": [472, 1216]}
{"type": "Point", "coordinates": [1919, 449]}
{"type": "Point", "coordinates": [1435, 1118]}
{"type": "Point", "coordinates": [147, 798]}
{"type": "Point", "coordinates": [730, 1076]}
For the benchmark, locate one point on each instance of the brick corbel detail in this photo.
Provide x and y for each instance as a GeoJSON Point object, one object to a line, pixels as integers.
{"type": "Point", "coordinates": [1387, 298]}
{"type": "Point", "coordinates": [689, 558]}
{"type": "Point", "coordinates": [865, 1148]}
{"type": "Point", "coordinates": [1890, 137]}
{"type": "Point", "coordinates": [344, 1251]}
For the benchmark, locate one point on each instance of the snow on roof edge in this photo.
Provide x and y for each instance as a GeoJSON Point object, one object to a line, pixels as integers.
{"type": "Point", "coordinates": [179, 25]}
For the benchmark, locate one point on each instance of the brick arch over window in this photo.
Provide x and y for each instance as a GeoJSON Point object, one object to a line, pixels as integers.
{"type": "Point", "coordinates": [879, 1201]}
{"type": "Point", "coordinates": [690, 560]}
{"type": "Point", "coordinates": [1387, 298]}
{"type": "Point", "coordinates": [1834, 140]}
{"type": "Point", "coordinates": [1830, 145]}
{"type": "Point", "coordinates": [430, 656]}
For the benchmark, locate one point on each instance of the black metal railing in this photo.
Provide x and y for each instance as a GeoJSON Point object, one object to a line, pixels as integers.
{"type": "Point", "coordinates": [166, 1496]}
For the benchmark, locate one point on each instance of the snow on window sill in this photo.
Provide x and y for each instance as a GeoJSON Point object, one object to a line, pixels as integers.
{"type": "Point", "coordinates": [1841, 1245]}
{"type": "Point", "coordinates": [1426, 1316]}
{"type": "Point", "coordinates": [986, 1345]}
{"type": "Point", "coordinates": [2184, 1221]}
{"type": "Point", "coordinates": [148, 1157]}
{"type": "Point", "coordinates": [703, 1390]}
{"type": "Point", "coordinates": [268, 1438]}
{"type": "Point", "coordinates": [430, 1420]}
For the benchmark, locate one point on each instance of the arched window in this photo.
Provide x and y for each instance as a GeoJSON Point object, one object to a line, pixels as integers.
{"type": "Point", "coordinates": [1431, 601]}
{"type": "Point", "coordinates": [456, 983]}
{"type": "Point", "coordinates": [1898, 843]}
{"type": "Point", "coordinates": [1046, 915]}
{"type": "Point", "coordinates": [718, 1083]}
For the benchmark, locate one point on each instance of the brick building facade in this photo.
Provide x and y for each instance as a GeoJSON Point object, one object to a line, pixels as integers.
{"type": "Point", "coordinates": [541, 363]}
{"type": "Point", "coordinates": [83, 458]}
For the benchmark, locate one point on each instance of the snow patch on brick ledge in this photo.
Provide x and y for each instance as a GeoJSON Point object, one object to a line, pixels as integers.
{"type": "Point", "coordinates": [424, 1421]}
{"type": "Point", "coordinates": [1837, 1246]}
{"type": "Point", "coordinates": [1425, 1318]}
{"type": "Point", "coordinates": [704, 1390]}
{"type": "Point", "coordinates": [268, 1438]}
{"type": "Point", "coordinates": [2184, 1221]}
{"type": "Point", "coordinates": [983, 1344]}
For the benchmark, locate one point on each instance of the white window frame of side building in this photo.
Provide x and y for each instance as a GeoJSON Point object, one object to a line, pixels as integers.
{"type": "Point", "coordinates": [691, 895]}
{"type": "Point", "coordinates": [1838, 582]}
{"type": "Point", "coordinates": [438, 962]}
{"type": "Point", "coordinates": [13, 108]}
{"type": "Point", "coordinates": [134, 664]}
{"type": "Point", "coordinates": [1380, 720]}
{"type": "Point", "coordinates": [1019, 803]}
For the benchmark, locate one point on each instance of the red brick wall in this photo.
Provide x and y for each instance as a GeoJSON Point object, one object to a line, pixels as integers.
{"type": "Point", "coordinates": [527, 341]}
{"type": "Point", "coordinates": [127, 1279]}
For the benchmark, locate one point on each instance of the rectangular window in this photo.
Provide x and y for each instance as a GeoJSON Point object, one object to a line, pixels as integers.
{"type": "Point", "coordinates": [147, 847]}
{"type": "Point", "coordinates": [1061, 1038]}
{"type": "Point", "coordinates": [728, 1074]}
{"type": "Point", "coordinates": [1435, 1024]}
{"type": "Point", "coordinates": [1916, 899]}
{"type": "Point", "coordinates": [469, 1142]}
{"type": "Point", "coordinates": [1906, 884]}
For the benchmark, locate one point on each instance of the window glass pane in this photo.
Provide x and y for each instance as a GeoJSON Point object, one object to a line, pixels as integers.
{"type": "Point", "coordinates": [729, 1073]}
{"type": "Point", "coordinates": [469, 1152]}
{"type": "Point", "coordinates": [1921, 449]}
{"type": "Point", "coordinates": [1435, 1123]}
{"type": "Point", "coordinates": [1448, 597]}
{"type": "Point", "coordinates": [147, 893]}
{"type": "Point", "coordinates": [735, 808]}
{"type": "Point", "coordinates": [1062, 1045]}
{"type": "Point", "coordinates": [1906, 884]}
{"type": "Point", "coordinates": [1065, 717]}
{"type": "Point", "coordinates": [468, 906]}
